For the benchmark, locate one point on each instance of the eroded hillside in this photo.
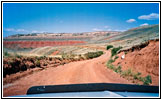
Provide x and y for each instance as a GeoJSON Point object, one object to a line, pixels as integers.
{"type": "Point", "coordinates": [141, 58]}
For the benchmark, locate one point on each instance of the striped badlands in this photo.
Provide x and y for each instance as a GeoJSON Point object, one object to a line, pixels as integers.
{"type": "Point", "coordinates": [35, 44]}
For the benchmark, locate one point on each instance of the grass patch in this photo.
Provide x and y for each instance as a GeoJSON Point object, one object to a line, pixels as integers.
{"type": "Point", "coordinates": [111, 66]}
{"type": "Point", "coordinates": [110, 61]}
{"type": "Point", "coordinates": [68, 56]}
{"type": "Point", "coordinates": [18, 56]}
{"type": "Point", "coordinates": [129, 74]}
{"type": "Point", "coordinates": [118, 69]}
{"type": "Point", "coordinates": [146, 80]}
{"type": "Point", "coordinates": [116, 57]}
{"type": "Point", "coordinates": [91, 55]}
{"type": "Point", "coordinates": [42, 57]}
{"type": "Point", "coordinates": [108, 47]}
{"type": "Point", "coordinates": [136, 75]}
{"type": "Point", "coordinates": [37, 63]}
{"type": "Point", "coordinates": [6, 54]}
{"type": "Point", "coordinates": [15, 55]}
{"type": "Point", "coordinates": [114, 51]}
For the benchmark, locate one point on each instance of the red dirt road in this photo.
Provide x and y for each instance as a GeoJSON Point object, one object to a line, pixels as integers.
{"type": "Point", "coordinates": [89, 71]}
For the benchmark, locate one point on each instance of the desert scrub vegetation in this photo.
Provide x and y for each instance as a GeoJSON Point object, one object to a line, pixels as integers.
{"type": "Point", "coordinates": [116, 57]}
{"type": "Point", "coordinates": [130, 75]}
{"type": "Point", "coordinates": [6, 54]}
{"type": "Point", "coordinates": [17, 55]}
{"type": "Point", "coordinates": [68, 56]}
{"type": "Point", "coordinates": [109, 46]}
{"type": "Point", "coordinates": [112, 67]}
{"type": "Point", "coordinates": [37, 63]}
{"type": "Point", "coordinates": [115, 50]}
{"type": "Point", "coordinates": [16, 63]}
{"type": "Point", "coordinates": [146, 80]}
{"type": "Point", "coordinates": [91, 55]}
{"type": "Point", "coordinates": [135, 77]}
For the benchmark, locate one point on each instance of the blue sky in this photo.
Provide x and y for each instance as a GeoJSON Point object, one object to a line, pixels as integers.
{"type": "Point", "coordinates": [76, 17]}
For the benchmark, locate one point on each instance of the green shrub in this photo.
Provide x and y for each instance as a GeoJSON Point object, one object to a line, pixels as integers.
{"type": "Point", "coordinates": [68, 56]}
{"type": "Point", "coordinates": [125, 53]}
{"type": "Point", "coordinates": [110, 61]}
{"type": "Point", "coordinates": [100, 52]}
{"type": "Point", "coordinates": [6, 54]}
{"type": "Point", "coordinates": [72, 55]}
{"type": "Point", "coordinates": [136, 75]}
{"type": "Point", "coordinates": [127, 73]}
{"type": "Point", "coordinates": [124, 73]}
{"type": "Point", "coordinates": [111, 66]}
{"type": "Point", "coordinates": [91, 55]}
{"type": "Point", "coordinates": [109, 46]}
{"type": "Point", "coordinates": [130, 73]}
{"type": "Point", "coordinates": [42, 57]}
{"type": "Point", "coordinates": [18, 56]}
{"type": "Point", "coordinates": [36, 57]}
{"type": "Point", "coordinates": [118, 69]}
{"type": "Point", "coordinates": [38, 63]}
{"type": "Point", "coordinates": [114, 51]}
{"type": "Point", "coordinates": [116, 57]}
{"type": "Point", "coordinates": [64, 56]}
{"type": "Point", "coordinates": [147, 80]}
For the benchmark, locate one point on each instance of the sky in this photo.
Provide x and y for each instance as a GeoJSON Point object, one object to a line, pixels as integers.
{"type": "Point", "coordinates": [24, 18]}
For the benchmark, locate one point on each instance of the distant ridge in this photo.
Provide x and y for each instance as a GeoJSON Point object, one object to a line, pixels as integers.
{"type": "Point", "coordinates": [149, 30]}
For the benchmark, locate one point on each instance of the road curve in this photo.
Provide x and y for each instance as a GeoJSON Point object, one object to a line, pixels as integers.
{"type": "Point", "coordinates": [88, 71]}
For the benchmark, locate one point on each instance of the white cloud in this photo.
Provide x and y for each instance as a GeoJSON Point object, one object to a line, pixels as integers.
{"type": "Point", "coordinates": [118, 30]}
{"type": "Point", "coordinates": [144, 24]}
{"type": "Point", "coordinates": [151, 16]}
{"type": "Point", "coordinates": [109, 29]}
{"type": "Point", "coordinates": [41, 31]}
{"type": "Point", "coordinates": [34, 31]}
{"type": "Point", "coordinates": [130, 20]}
{"type": "Point", "coordinates": [9, 29]}
{"type": "Point", "coordinates": [15, 30]}
{"type": "Point", "coordinates": [106, 26]}
{"type": "Point", "coordinates": [96, 29]}
{"type": "Point", "coordinates": [20, 30]}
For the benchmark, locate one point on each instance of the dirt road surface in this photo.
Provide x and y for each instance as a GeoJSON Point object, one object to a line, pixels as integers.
{"type": "Point", "coordinates": [88, 71]}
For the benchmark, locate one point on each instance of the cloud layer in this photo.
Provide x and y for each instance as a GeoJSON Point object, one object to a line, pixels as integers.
{"type": "Point", "coordinates": [144, 24]}
{"type": "Point", "coordinates": [14, 30]}
{"type": "Point", "coordinates": [130, 20]}
{"type": "Point", "coordinates": [151, 16]}
{"type": "Point", "coordinates": [22, 30]}
{"type": "Point", "coordinates": [96, 29]}
{"type": "Point", "coordinates": [9, 29]}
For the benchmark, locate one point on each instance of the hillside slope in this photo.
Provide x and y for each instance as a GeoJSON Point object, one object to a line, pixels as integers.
{"type": "Point", "coordinates": [143, 59]}
{"type": "Point", "coordinates": [150, 30]}
{"type": "Point", "coordinates": [134, 36]}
